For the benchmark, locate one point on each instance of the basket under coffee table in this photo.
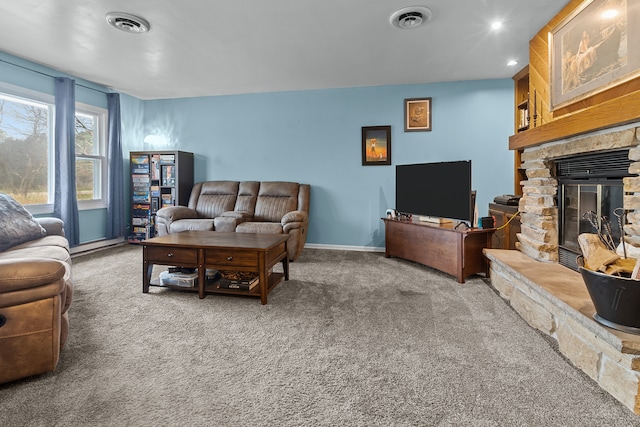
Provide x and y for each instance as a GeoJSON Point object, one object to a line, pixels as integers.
{"type": "Point", "coordinates": [254, 252]}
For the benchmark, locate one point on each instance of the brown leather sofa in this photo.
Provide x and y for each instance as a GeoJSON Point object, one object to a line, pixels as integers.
{"type": "Point", "coordinates": [244, 207]}
{"type": "Point", "coordinates": [35, 294]}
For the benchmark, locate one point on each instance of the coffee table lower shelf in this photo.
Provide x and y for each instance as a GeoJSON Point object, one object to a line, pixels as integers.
{"type": "Point", "coordinates": [212, 287]}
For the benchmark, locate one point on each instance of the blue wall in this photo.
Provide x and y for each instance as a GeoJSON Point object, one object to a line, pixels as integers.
{"type": "Point", "coordinates": [35, 77]}
{"type": "Point", "coordinates": [315, 137]}
{"type": "Point", "coordinates": [27, 75]}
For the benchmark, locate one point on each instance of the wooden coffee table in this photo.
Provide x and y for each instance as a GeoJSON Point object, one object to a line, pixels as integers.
{"type": "Point", "coordinates": [253, 252]}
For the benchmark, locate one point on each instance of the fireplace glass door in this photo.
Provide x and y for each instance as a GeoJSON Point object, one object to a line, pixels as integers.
{"type": "Point", "coordinates": [580, 200]}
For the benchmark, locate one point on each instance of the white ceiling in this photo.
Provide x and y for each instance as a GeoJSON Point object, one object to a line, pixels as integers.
{"type": "Point", "coordinates": [220, 47]}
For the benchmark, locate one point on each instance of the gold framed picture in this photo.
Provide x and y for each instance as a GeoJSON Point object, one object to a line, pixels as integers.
{"type": "Point", "coordinates": [417, 114]}
{"type": "Point", "coordinates": [593, 49]}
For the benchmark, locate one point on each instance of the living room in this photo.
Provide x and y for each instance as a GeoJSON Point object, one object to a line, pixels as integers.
{"type": "Point", "coordinates": [311, 136]}
{"type": "Point", "coordinates": [317, 132]}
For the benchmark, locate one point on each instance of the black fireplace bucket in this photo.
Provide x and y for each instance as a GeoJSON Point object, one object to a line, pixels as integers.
{"type": "Point", "coordinates": [616, 300]}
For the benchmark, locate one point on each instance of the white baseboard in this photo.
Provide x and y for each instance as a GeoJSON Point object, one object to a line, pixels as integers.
{"type": "Point", "coordinates": [95, 245]}
{"type": "Point", "coordinates": [344, 247]}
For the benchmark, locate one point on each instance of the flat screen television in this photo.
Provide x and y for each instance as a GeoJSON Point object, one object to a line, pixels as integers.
{"type": "Point", "coordinates": [436, 190]}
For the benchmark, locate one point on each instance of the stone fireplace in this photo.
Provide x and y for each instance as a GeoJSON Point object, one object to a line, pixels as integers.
{"type": "Point", "coordinates": [590, 198]}
{"type": "Point", "coordinates": [538, 206]}
{"type": "Point", "coordinates": [552, 297]}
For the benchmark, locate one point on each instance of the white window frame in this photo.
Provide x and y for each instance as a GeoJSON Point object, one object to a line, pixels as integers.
{"type": "Point", "coordinates": [101, 132]}
{"type": "Point", "coordinates": [35, 96]}
{"type": "Point", "coordinates": [101, 123]}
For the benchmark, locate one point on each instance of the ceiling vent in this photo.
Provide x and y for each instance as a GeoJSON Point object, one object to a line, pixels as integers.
{"type": "Point", "coordinates": [410, 17]}
{"type": "Point", "coordinates": [127, 23]}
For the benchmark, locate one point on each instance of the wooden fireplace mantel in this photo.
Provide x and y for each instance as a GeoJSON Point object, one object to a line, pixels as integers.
{"type": "Point", "coordinates": [615, 112]}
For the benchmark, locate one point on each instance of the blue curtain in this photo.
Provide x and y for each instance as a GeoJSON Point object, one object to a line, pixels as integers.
{"type": "Point", "coordinates": [65, 204]}
{"type": "Point", "coordinates": [115, 194]}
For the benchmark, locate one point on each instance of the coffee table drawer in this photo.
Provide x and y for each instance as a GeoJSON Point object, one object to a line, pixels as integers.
{"type": "Point", "coordinates": [231, 258]}
{"type": "Point", "coordinates": [173, 256]}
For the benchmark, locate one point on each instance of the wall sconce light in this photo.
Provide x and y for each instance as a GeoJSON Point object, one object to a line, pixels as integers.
{"type": "Point", "coordinates": [156, 140]}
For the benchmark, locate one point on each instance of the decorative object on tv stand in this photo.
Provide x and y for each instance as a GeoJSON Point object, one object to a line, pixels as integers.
{"type": "Point", "coordinates": [594, 49]}
{"type": "Point", "coordinates": [417, 114]}
{"type": "Point", "coordinates": [376, 145]}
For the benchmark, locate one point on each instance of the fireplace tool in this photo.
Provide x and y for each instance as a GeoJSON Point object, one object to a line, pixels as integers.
{"type": "Point", "coordinates": [604, 230]}
{"type": "Point", "coordinates": [620, 213]}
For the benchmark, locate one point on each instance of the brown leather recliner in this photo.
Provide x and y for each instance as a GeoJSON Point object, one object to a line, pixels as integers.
{"type": "Point", "coordinates": [35, 294]}
{"type": "Point", "coordinates": [243, 207]}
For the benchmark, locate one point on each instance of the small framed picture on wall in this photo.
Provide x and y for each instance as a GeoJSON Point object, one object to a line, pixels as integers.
{"type": "Point", "coordinates": [417, 114]}
{"type": "Point", "coordinates": [376, 145]}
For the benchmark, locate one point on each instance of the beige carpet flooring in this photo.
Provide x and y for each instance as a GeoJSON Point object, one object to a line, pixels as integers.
{"type": "Point", "coordinates": [353, 339]}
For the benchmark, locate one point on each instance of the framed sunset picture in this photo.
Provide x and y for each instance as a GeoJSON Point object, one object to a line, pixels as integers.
{"type": "Point", "coordinates": [376, 145]}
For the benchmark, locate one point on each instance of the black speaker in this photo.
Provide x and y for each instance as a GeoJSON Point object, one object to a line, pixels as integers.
{"type": "Point", "coordinates": [487, 222]}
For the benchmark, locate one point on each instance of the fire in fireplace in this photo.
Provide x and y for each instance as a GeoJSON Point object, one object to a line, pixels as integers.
{"type": "Point", "coordinates": [590, 189]}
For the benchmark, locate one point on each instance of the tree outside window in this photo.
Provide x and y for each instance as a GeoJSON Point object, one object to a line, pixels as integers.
{"type": "Point", "coordinates": [26, 141]}
{"type": "Point", "coordinates": [24, 149]}
{"type": "Point", "coordinates": [91, 159]}
{"type": "Point", "coordinates": [86, 164]}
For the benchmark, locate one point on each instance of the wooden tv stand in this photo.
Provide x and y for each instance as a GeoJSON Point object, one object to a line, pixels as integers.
{"type": "Point", "coordinates": [453, 251]}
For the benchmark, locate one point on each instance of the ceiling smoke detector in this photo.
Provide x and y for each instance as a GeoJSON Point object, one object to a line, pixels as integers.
{"type": "Point", "coordinates": [410, 17]}
{"type": "Point", "coordinates": [127, 22]}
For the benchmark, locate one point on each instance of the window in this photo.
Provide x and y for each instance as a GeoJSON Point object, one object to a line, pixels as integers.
{"type": "Point", "coordinates": [26, 140]}
{"type": "Point", "coordinates": [26, 147]}
{"type": "Point", "coordinates": [91, 160]}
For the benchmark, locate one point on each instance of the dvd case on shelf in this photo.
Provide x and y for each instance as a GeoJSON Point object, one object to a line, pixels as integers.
{"type": "Point", "coordinates": [158, 179]}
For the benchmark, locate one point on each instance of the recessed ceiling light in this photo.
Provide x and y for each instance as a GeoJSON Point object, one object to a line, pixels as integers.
{"type": "Point", "coordinates": [512, 62]}
{"type": "Point", "coordinates": [410, 17]}
{"type": "Point", "coordinates": [127, 22]}
{"type": "Point", "coordinates": [496, 25]}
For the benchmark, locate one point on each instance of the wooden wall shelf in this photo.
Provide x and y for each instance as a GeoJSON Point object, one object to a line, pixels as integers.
{"type": "Point", "coordinates": [615, 112]}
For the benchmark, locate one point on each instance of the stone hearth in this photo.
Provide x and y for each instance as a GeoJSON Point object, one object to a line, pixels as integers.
{"type": "Point", "coordinates": [553, 299]}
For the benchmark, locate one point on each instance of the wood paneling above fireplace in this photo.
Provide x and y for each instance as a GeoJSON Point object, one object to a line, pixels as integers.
{"type": "Point", "coordinates": [616, 106]}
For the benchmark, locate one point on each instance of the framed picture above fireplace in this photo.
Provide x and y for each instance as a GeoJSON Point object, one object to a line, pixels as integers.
{"type": "Point", "coordinates": [594, 49]}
